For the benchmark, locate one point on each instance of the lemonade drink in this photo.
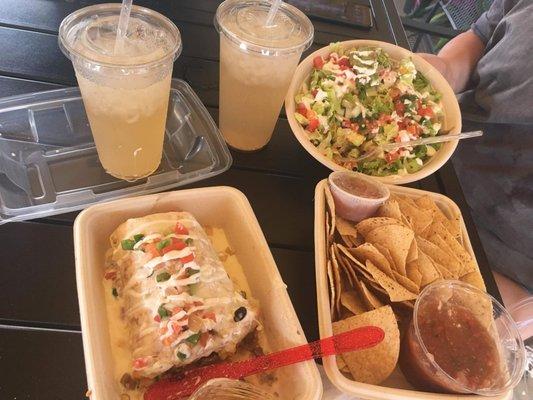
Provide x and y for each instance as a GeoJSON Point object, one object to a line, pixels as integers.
{"type": "Point", "coordinates": [125, 89]}
{"type": "Point", "coordinates": [256, 66]}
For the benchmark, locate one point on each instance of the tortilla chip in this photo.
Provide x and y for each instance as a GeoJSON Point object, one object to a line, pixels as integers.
{"type": "Point", "coordinates": [329, 238]}
{"type": "Point", "coordinates": [453, 225]}
{"type": "Point", "coordinates": [331, 290]}
{"type": "Point", "coordinates": [341, 364]}
{"type": "Point", "coordinates": [353, 302]}
{"type": "Point", "coordinates": [413, 272]}
{"type": "Point", "coordinates": [406, 283]}
{"type": "Point", "coordinates": [474, 279]}
{"type": "Point", "coordinates": [383, 250]}
{"type": "Point", "coordinates": [345, 227]}
{"type": "Point", "coordinates": [427, 269]}
{"type": "Point", "coordinates": [367, 225]}
{"type": "Point", "coordinates": [413, 252]}
{"type": "Point", "coordinates": [453, 263]}
{"type": "Point", "coordinates": [390, 209]}
{"type": "Point", "coordinates": [420, 218]}
{"type": "Point", "coordinates": [370, 299]}
{"type": "Point", "coordinates": [336, 280]}
{"type": "Point", "coordinates": [438, 253]}
{"type": "Point", "coordinates": [395, 290]}
{"type": "Point", "coordinates": [468, 263]}
{"type": "Point", "coordinates": [375, 364]}
{"type": "Point", "coordinates": [331, 207]}
{"type": "Point", "coordinates": [445, 273]}
{"type": "Point", "coordinates": [368, 252]}
{"type": "Point", "coordinates": [353, 264]}
{"type": "Point", "coordinates": [397, 239]}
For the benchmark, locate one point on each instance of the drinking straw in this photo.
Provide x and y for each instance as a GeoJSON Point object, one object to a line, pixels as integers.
{"type": "Point", "coordinates": [123, 21]}
{"type": "Point", "coordinates": [272, 12]}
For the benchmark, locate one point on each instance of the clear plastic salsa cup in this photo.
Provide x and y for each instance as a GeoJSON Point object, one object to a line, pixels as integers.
{"type": "Point", "coordinates": [461, 340]}
{"type": "Point", "coordinates": [356, 196]}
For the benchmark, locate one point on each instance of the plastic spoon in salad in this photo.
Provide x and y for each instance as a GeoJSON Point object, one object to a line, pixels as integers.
{"type": "Point", "coordinates": [389, 147]}
{"type": "Point", "coordinates": [184, 385]}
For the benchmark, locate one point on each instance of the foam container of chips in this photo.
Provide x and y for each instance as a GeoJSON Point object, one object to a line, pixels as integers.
{"type": "Point", "coordinates": [397, 388]}
{"type": "Point", "coordinates": [221, 207]}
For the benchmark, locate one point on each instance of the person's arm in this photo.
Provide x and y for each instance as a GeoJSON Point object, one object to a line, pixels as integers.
{"type": "Point", "coordinates": [458, 59]}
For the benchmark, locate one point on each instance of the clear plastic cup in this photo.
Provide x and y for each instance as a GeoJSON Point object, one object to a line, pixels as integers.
{"type": "Point", "coordinates": [356, 196]}
{"type": "Point", "coordinates": [461, 340]}
{"type": "Point", "coordinates": [125, 91]}
{"type": "Point", "coordinates": [256, 67]}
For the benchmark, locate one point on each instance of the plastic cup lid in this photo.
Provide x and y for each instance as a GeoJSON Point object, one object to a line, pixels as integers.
{"type": "Point", "coordinates": [244, 23]}
{"type": "Point", "coordinates": [89, 33]}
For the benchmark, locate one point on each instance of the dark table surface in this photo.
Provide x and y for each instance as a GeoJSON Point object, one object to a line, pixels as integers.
{"type": "Point", "coordinates": [41, 355]}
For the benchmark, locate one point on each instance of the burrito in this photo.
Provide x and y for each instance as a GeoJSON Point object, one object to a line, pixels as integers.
{"type": "Point", "coordinates": [178, 302]}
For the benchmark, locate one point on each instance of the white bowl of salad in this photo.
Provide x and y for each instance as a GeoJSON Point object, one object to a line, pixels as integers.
{"type": "Point", "coordinates": [350, 97]}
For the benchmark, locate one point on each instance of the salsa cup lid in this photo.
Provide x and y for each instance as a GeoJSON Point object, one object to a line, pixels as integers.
{"type": "Point", "coordinates": [244, 23]}
{"type": "Point", "coordinates": [508, 347]}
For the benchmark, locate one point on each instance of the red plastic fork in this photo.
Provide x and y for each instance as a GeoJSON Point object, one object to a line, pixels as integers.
{"type": "Point", "coordinates": [176, 388]}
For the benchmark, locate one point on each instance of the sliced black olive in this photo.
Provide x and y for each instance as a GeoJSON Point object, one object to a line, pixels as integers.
{"type": "Point", "coordinates": [239, 314]}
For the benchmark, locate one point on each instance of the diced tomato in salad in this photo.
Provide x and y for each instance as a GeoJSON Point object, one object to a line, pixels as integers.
{"type": "Point", "coordinates": [313, 124]}
{"type": "Point", "coordinates": [301, 109]}
{"type": "Point", "coordinates": [318, 62]}
{"type": "Point", "coordinates": [392, 156]}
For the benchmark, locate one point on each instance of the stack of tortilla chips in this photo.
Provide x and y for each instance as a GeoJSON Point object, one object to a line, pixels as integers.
{"type": "Point", "coordinates": [377, 267]}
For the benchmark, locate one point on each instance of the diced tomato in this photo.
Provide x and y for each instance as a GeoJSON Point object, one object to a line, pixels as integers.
{"type": "Point", "coordinates": [391, 157]}
{"type": "Point", "coordinates": [176, 244]}
{"type": "Point", "coordinates": [398, 139]}
{"type": "Point", "coordinates": [344, 63]}
{"type": "Point", "coordinates": [425, 111]}
{"type": "Point", "coordinates": [301, 109]}
{"type": "Point", "coordinates": [187, 259]}
{"type": "Point", "coordinates": [180, 229]}
{"type": "Point", "coordinates": [399, 107]}
{"type": "Point", "coordinates": [313, 124]}
{"type": "Point", "coordinates": [402, 124]}
{"type": "Point", "coordinates": [346, 123]}
{"type": "Point", "coordinates": [413, 130]}
{"type": "Point", "coordinates": [111, 274]}
{"type": "Point", "coordinates": [211, 315]}
{"type": "Point", "coordinates": [394, 92]}
{"type": "Point", "coordinates": [204, 337]}
{"type": "Point", "coordinates": [384, 118]}
{"type": "Point", "coordinates": [314, 92]}
{"type": "Point", "coordinates": [318, 62]}
{"type": "Point", "coordinates": [157, 318]}
{"type": "Point", "coordinates": [151, 249]}
{"type": "Point", "coordinates": [139, 363]}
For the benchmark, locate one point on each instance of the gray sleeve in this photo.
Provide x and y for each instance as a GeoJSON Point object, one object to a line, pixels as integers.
{"type": "Point", "coordinates": [485, 25]}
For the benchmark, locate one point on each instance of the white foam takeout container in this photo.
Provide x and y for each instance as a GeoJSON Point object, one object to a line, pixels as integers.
{"type": "Point", "coordinates": [221, 207]}
{"type": "Point", "coordinates": [397, 387]}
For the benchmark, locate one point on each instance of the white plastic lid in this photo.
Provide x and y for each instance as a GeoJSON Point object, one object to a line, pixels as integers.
{"type": "Point", "coordinates": [244, 23]}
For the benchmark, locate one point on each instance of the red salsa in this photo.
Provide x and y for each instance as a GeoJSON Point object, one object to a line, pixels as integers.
{"type": "Point", "coordinates": [358, 187]}
{"type": "Point", "coordinates": [458, 343]}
